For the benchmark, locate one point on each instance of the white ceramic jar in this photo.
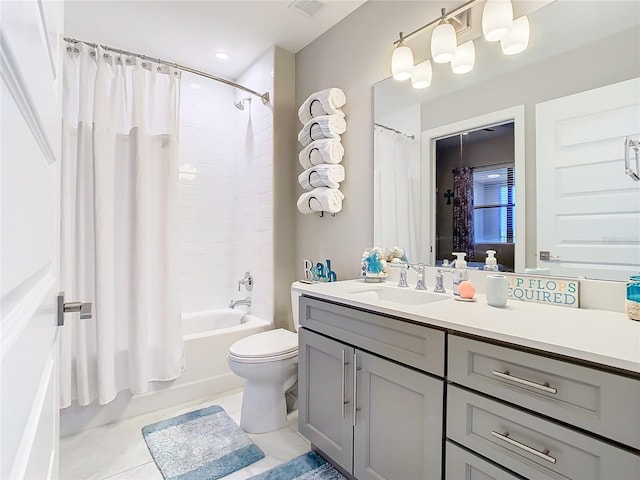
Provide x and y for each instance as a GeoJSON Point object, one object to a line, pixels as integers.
{"type": "Point", "coordinates": [497, 290]}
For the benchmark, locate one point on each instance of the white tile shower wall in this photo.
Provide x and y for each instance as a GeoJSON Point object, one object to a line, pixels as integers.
{"type": "Point", "coordinates": [206, 229]}
{"type": "Point", "coordinates": [254, 187]}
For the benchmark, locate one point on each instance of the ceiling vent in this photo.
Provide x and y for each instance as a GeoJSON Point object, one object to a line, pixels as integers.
{"type": "Point", "coordinates": [307, 7]}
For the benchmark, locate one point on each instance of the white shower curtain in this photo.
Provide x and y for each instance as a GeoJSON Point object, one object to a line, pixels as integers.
{"type": "Point", "coordinates": [119, 222]}
{"type": "Point", "coordinates": [397, 190]}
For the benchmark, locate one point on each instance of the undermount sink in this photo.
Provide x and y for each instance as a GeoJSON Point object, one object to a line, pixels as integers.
{"type": "Point", "coordinates": [398, 295]}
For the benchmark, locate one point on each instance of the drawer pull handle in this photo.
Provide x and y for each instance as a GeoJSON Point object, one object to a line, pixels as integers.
{"type": "Point", "coordinates": [542, 454]}
{"type": "Point", "coordinates": [544, 387]}
{"type": "Point", "coordinates": [344, 378]}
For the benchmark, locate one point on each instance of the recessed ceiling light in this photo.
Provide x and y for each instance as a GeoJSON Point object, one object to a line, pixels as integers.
{"type": "Point", "coordinates": [222, 55]}
{"type": "Point", "coordinates": [194, 85]}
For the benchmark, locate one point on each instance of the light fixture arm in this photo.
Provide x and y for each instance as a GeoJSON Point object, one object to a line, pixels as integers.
{"type": "Point", "coordinates": [445, 16]}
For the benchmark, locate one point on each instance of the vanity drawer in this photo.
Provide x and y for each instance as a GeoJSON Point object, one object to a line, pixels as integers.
{"type": "Point", "coordinates": [531, 446]}
{"type": "Point", "coordinates": [413, 345]}
{"type": "Point", "coordinates": [601, 402]}
{"type": "Point", "coordinates": [464, 465]}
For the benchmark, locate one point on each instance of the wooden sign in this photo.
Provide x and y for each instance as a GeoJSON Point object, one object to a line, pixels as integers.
{"type": "Point", "coordinates": [544, 289]}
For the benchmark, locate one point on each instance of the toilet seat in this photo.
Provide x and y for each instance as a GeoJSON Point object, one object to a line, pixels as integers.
{"type": "Point", "coordinates": [269, 346]}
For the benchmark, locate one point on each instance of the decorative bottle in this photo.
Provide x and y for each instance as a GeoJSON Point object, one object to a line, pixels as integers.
{"type": "Point", "coordinates": [632, 304]}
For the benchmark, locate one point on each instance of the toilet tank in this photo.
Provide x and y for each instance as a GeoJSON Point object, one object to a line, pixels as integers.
{"type": "Point", "coordinates": [295, 296]}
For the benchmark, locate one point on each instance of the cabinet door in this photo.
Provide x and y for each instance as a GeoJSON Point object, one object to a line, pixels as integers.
{"type": "Point", "coordinates": [325, 388]}
{"type": "Point", "coordinates": [398, 427]}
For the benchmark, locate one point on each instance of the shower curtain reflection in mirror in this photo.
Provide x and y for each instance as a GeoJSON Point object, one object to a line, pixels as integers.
{"type": "Point", "coordinates": [397, 192]}
{"type": "Point", "coordinates": [119, 223]}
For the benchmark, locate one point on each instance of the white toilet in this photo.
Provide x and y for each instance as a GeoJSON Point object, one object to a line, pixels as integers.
{"type": "Point", "coordinates": [268, 361]}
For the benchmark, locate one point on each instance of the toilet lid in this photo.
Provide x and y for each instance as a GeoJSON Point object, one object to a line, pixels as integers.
{"type": "Point", "coordinates": [265, 344]}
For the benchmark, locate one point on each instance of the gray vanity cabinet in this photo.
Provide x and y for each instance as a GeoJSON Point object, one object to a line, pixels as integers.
{"type": "Point", "coordinates": [541, 417]}
{"type": "Point", "coordinates": [381, 420]}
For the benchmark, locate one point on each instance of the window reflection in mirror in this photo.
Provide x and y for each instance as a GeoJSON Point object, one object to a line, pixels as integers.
{"type": "Point", "coordinates": [475, 195]}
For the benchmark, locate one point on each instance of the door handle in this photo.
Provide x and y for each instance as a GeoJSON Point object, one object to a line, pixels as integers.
{"type": "Point", "coordinates": [630, 144]}
{"type": "Point", "coordinates": [546, 255]}
{"type": "Point", "coordinates": [70, 307]}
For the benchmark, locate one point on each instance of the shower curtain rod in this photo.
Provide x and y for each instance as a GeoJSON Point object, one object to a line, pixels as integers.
{"type": "Point", "coordinates": [264, 96]}
{"type": "Point", "coordinates": [412, 137]}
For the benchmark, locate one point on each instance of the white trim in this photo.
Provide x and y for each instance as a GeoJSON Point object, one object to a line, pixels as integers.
{"type": "Point", "coordinates": [21, 458]}
{"type": "Point", "coordinates": [16, 84]}
{"type": "Point", "coordinates": [428, 142]}
{"type": "Point", "coordinates": [17, 319]}
{"type": "Point", "coordinates": [45, 39]}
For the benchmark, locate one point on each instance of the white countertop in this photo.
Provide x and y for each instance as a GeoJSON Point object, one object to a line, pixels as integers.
{"type": "Point", "coordinates": [607, 338]}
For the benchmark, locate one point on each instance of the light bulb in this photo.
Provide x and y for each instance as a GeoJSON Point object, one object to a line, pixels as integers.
{"type": "Point", "coordinates": [497, 18]}
{"type": "Point", "coordinates": [402, 62]}
{"type": "Point", "coordinates": [443, 43]}
{"type": "Point", "coordinates": [421, 77]}
{"type": "Point", "coordinates": [518, 38]}
{"type": "Point", "coordinates": [464, 59]}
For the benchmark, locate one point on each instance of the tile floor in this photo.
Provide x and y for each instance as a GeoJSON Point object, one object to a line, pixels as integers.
{"type": "Point", "coordinates": [118, 451]}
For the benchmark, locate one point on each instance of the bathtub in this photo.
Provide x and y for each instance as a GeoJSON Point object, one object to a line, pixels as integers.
{"type": "Point", "coordinates": [207, 338]}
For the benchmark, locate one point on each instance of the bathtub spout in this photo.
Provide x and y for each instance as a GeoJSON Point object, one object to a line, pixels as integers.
{"type": "Point", "coordinates": [235, 303]}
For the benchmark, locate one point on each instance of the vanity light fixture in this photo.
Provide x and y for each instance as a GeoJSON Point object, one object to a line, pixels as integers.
{"type": "Point", "coordinates": [518, 38]}
{"type": "Point", "coordinates": [443, 41]}
{"type": "Point", "coordinates": [497, 18]}
{"type": "Point", "coordinates": [464, 59]}
{"type": "Point", "coordinates": [497, 25]}
{"type": "Point", "coordinates": [421, 77]}
{"type": "Point", "coordinates": [402, 61]}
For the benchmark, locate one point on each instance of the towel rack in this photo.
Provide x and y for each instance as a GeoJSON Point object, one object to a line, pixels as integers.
{"type": "Point", "coordinates": [308, 123]}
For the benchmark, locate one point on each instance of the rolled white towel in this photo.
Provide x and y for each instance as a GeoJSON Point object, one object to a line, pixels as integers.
{"type": "Point", "coordinates": [323, 175]}
{"type": "Point", "coordinates": [325, 126]}
{"type": "Point", "coordinates": [324, 102]}
{"type": "Point", "coordinates": [321, 199]}
{"type": "Point", "coordinates": [325, 150]}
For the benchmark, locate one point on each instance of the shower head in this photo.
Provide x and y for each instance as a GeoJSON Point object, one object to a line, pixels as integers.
{"type": "Point", "coordinates": [240, 103]}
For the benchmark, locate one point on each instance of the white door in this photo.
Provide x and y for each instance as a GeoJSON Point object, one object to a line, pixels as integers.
{"type": "Point", "coordinates": [588, 207]}
{"type": "Point", "coordinates": [29, 204]}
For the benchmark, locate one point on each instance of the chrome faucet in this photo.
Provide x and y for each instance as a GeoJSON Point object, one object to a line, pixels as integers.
{"type": "Point", "coordinates": [402, 281]}
{"type": "Point", "coordinates": [247, 281]}
{"type": "Point", "coordinates": [439, 288]}
{"type": "Point", "coordinates": [235, 303]}
{"type": "Point", "coordinates": [419, 269]}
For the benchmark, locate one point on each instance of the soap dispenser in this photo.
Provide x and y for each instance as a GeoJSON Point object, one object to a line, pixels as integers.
{"type": "Point", "coordinates": [460, 273]}
{"type": "Point", "coordinates": [491, 263]}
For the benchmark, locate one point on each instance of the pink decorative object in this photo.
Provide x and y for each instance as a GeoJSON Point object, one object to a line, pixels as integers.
{"type": "Point", "coordinates": [467, 289]}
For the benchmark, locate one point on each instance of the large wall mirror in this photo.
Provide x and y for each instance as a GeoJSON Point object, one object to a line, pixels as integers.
{"type": "Point", "coordinates": [536, 140]}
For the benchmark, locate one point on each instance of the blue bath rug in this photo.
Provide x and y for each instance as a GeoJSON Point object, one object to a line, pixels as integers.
{"type": "Point", "coordinates": [205, 444]}
{"type": "Point", "coordinates": [309, 466]}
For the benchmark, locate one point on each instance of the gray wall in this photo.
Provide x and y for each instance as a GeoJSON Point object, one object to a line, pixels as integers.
{"type": "Point", "coordinates": [353, 55]}
{"type": "Point", "coordinates": [284, 181]}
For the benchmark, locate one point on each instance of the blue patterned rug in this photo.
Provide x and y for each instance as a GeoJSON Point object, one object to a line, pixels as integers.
{"type": "Point", "coordinates": [205, 444]}
{"type": "Point", "coordinates": [309, 466]}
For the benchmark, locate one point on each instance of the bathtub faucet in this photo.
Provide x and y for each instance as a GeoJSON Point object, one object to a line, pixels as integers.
{"type": "Point", "coordinates": [235, 303]}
